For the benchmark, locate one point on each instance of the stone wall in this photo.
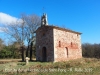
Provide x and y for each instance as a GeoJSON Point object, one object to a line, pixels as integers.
{"type": "Point", "coordinates": [60, 44]}
{"type": "Point", "coordinates": [67, 45]}
{"type": "Point", "coordinates": [44, 38]}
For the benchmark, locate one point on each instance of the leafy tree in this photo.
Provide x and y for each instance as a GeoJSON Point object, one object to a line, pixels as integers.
{"type": "Point", "coordinates": [91, 50]}
{"type": "Point", "coordinates": [10, 51]}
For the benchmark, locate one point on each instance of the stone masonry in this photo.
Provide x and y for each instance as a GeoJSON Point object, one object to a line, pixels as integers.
{"type": "Point", "coordinates": [60, 44]}
{"type": "Point", "coordinates": [57, 44]}
{"type": "Point", "coordinates": [44, 40]}
{"type": "Point", "coordinates": [67, 44]}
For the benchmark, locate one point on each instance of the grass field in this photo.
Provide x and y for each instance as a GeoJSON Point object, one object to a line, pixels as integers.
{"type": "Point", "coordinates": [84, 66]}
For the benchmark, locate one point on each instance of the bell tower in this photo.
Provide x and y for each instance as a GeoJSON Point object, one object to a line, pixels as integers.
{"type": "Point", "coordinates": [44, 20]}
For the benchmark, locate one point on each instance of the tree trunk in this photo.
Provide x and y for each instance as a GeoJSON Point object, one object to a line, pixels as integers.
{"type": "Point", "coordinates": [22, 50]}
{"type": "Point", "coordinates": [31, 51]}
{"type": "Point", "coordinates": [27, 51]}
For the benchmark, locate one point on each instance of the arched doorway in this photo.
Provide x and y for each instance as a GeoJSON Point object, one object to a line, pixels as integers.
{"type": "Point", "coordinates": [66, 51]}
{"type": "Point", "coordinates": [44, 54]}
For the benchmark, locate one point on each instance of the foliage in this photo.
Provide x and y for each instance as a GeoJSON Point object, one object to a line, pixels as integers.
{"type": "Point", "coordinates": [14, 51]}
{"type": "Point", "coordinates": [1, 44]}
{"type": "Point", "coordinates": [5, 53]}
{"type": "Point", "coordinates": [91, 50]}
{"type": "Point", "coordinates": [23, 31]}
{"type": "Point", "coordinates": [10, 51]}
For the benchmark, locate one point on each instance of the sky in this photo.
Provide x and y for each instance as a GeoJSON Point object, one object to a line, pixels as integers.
{"type": "Point", "coordinates": [78, 15]}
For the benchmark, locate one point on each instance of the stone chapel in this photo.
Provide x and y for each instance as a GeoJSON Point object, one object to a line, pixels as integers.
{"type": "Point", "coordinates": [57, 44]}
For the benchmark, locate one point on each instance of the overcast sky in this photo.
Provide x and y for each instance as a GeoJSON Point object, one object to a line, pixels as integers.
{"type": "Point", "coordinates": [78, 15]}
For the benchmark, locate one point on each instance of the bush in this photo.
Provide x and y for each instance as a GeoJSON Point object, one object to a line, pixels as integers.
{"type": "Point", "coordinates": [9, 52]}
{"type": "Point", "coordinates": [91, 50]}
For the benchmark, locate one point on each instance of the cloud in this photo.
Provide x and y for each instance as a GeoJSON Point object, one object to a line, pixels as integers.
{"type": "Point", "coordinates": [6, 19]}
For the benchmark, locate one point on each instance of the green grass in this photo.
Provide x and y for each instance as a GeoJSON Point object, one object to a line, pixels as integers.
{"type": "Point", "coordinates": [84, 66]}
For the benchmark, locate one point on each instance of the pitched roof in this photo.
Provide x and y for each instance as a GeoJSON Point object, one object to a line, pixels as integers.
{"type": "Point", "coordinates": [64, 29]}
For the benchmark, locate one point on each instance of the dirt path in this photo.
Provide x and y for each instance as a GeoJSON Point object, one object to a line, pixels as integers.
{"type": "Point", "coordinates": [8, 60]}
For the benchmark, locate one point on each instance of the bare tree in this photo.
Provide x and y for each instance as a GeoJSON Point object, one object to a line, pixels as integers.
{"type": "Point", "coordinates": [17, 31]}
{"type": "Point", "coordinates": [32, 23]}
{"type": "Point", "coordinates": [1, 44]}
{"type": "Point", "coordinates": [24, 30]}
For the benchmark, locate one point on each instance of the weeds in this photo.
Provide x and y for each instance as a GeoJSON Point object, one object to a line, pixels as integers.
{"type": "Point", "coordinates": [84, 66]}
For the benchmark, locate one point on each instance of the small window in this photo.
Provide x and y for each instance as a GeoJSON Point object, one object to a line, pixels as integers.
{"type": "Point", "coordinates": [59, 43]}
{"type": "Point", "coordinates": [71, 44]}
{"type": "Point", "coordinates": [43, 34]}
{"type": "Point", "coordinates": [77, 35]}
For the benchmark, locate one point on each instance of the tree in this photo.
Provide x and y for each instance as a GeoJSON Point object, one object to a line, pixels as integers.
{"type": "Point", "coordinates": [1, 44]}
{"type": "Point", "coordinates": [15, 49]}
{"type": "Point", "coordinates": [91, 50]}
{"type": "Point", "coordinates": [32, 23]}
{"type": "Point", "coordinates": [24, 30]}
{"type": "Point", "coordinates": [17, 31]}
